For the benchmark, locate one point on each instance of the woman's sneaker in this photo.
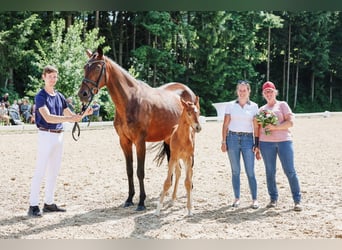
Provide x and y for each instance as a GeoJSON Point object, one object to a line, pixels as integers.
{"type": "Point", "coordinates": [297, 207]}
{"type": "Point", "coordinates": [236, 203]}
{"type": "Point", "coordinates": [34, 211]}
{"type": "Point", "coordinates": [255, 204]}
{"type": "Point", "coordinates": [272, 204]}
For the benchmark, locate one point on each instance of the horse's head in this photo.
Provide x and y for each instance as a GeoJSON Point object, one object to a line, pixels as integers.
{"type": "Point", "coordinates": [94, 76]}
{"type": "Point", "coordinates": [192, 111]}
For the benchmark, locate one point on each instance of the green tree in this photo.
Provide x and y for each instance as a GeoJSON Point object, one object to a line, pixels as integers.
{"type": "Point", "coordinates": [223, 52]}
{"type": "Point", "coordinates": [314, 34]}
{"type": "Point", "coordinates": [66, 50]}
{"type": "Point", "coordinates": [335, 70]}
{"type": "Point", "coordinates": [14, 49]}
{"type": "Point", "coordinates": [156, 60]}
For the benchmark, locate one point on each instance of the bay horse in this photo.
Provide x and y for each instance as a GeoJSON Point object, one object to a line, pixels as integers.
{"type": "Point", "coordinates": [143, 113]}
{"type": "Point", "coordinates": [182, 146]}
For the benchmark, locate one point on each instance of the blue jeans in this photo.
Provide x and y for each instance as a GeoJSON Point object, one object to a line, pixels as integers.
{"type": "Point", "coordinates": [242, 145]}
{"type": "Point", "coordinates": [269, 152]}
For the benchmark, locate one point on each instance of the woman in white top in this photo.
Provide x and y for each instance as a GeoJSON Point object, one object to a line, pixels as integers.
{"type": "Point", "coordinates": [238, 130]}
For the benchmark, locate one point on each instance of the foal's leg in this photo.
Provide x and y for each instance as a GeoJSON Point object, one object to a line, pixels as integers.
{"type": "Point", "coordinates": [167, 184]}
{"type": "Point", "coordinates": [178, 172]}
{"type": "Point", "coordinates": [188, 184]}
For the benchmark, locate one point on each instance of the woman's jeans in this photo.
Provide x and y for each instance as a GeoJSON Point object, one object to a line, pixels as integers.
{"type": "Point", "coordinates": [241, 144]}
{"type": "Point", "coordinates": [269, 152]}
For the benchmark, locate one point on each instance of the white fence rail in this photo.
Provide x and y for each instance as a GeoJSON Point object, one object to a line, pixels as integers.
{"type": "Point", "coordinates": [220, 108]}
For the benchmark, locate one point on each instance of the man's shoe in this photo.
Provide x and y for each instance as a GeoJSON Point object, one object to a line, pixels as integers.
{"type": "Point", "coordinates": [52, 208]}
{"type": "Point", "coordinates": [34, 211]}
{"type": "Point", "coordinates": [272, 204]}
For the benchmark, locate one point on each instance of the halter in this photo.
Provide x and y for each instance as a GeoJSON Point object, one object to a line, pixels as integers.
{"type": "Point", "coordinates": [95, 86]}
{"type": "Point", "coordinates": [93, 83]}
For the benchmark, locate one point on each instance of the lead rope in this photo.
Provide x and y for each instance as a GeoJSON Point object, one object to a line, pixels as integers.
{"type": "Point", "coordinates": [77, 126]}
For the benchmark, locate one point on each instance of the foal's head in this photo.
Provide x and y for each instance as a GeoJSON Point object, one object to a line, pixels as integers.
{"type": "Point", "coordinates": [94, 76]}
{"type": "Point", "coordinates": [191, 112]}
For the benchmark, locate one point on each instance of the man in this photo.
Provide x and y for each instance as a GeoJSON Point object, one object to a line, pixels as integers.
{"type": "Point", "coordinates": [51, 111]}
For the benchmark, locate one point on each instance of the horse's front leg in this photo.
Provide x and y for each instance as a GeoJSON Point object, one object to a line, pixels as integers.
{"type": "Point", "coordinates": [126, 146]}
{"type": "Point", "coordinates": [141, 152]}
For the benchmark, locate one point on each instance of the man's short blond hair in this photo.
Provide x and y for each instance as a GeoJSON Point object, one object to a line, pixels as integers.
{"type": "Point", "coordinates": [50, 69]}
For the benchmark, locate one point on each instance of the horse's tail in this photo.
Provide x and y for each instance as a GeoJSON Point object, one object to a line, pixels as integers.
{"type": "Point", "coordinates": [163, 149]}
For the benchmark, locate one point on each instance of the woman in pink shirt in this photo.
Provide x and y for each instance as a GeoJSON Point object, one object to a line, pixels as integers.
{"type": "Point", "coordinates": [278, 142]}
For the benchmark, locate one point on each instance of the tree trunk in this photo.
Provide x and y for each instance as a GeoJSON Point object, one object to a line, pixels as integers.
{"type": "Point", "coordinates": [187, 52]}
{"type": "Point", "coordinates": [288, 66]}
{"type": "Point", "coordinates": [296, 85]}
{"type": "Point", "coordinates": [154, 80]}
{"type": "Point", "coordinates": [312, 86]}
{"type": "Point", "coordinates": [284, 77]}
{"type": "Point", "coordinates": [134, 36]}
{"type": "Point", "coordinates": [268, 54]}
{"type": "Point", "coordinates": [121, 41]}
{"type": "Point", "coordinates": [330, 95]}
{"type": "Point", "coordinates": [147, 66]}
{"type": "Point", "coordinates": [10, 76]}
{"type": "Point", "coordinates": [112, 32]}
{"type": "Point", "coordinates": [68, 21]}
{"type": "Point", "coordinates": [97, 17]}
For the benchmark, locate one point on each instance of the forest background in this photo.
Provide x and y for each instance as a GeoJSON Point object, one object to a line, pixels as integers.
{"type": "Point", "coordinates": [209, 51]}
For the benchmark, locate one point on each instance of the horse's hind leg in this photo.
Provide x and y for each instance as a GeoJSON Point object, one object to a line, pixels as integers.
{"type": "Point", "coordinates": [188, 186]}
{"type": "Point", "coordinates": [166, 186]}
{"type": "Point", "coordinates": [141, 152]}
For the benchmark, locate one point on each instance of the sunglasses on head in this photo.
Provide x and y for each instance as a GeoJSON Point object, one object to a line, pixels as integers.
{"type": "Point", "coordinates": [243, 82]}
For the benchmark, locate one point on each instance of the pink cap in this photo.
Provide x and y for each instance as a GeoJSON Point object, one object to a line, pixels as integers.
{"type": "Point", "coordinates": [268, 85]}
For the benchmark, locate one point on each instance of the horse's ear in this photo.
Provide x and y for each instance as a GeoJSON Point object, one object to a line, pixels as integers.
{"type": "Point", "coordinates": [89, 53]}
{"type": "Point", "coordinates": [184, 103]}
{"type": "Point", "coordinates": [197, 103]}
{"type": "Point", "coordinates": [100, 51]}
{"type": "Point", "coordinates": [197, 99]}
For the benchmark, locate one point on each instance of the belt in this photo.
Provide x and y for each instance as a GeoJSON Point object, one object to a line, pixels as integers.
{"type": "Point", "coordinates": [51, 130]}
{"type": "Point", "coordinates": [241, 133]}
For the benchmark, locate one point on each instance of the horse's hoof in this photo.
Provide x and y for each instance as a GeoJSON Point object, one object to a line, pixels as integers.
{"type": "Point", "coordinates": [128, 204]}
{"type": "Point", "coordinates": [140, 208]}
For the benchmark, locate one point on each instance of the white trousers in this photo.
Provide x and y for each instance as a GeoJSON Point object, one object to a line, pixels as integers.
{"type": "Point", "coordinates": [49, 159]}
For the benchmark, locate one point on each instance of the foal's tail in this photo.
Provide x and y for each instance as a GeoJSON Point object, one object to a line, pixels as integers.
{"type": "Point", "coordinates": [163, 149]}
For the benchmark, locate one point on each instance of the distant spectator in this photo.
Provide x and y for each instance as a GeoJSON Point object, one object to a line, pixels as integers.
{"type": "Point", "coordinates": [70, 104]}
{"type": "Point", "coordinates": [25, 109]}
{"type": "Point", "coordinates": [4, 117]}
{"type": "Point", "coordinates": [33, 114]}
{"type": "Point", "coordinates": [14, 115]}
{"type": "Point", "coordinates": [96, 111]}
{"type": "Point", "coordinates": [20, 102]}
{"type": "Point", "coordinates": [5, 99]}
{"type": "Point", "coordinates": [15, 106]}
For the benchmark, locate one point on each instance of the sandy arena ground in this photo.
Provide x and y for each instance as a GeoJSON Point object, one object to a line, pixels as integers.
{"type": "Point", "coordinates": [92, 186]}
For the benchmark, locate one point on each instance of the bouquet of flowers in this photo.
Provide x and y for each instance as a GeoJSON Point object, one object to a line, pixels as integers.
{"type": "Point", "coordinates": [266, 117]}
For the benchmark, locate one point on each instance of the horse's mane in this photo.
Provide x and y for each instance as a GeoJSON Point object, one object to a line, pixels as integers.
{"type": "Point", "coordinates": [124, 72]}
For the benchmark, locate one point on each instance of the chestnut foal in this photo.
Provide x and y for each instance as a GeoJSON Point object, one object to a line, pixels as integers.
{"type": "Point", "coordinates": [182, 145]}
